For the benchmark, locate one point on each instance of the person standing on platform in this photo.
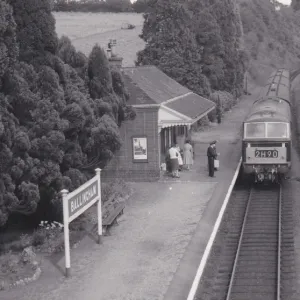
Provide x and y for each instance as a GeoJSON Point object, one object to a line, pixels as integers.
{"type": "Point", "coordinates": [173, 152]}
{"type": "Point", "coordinates": [180, 161]}
{"type": "Point", "coordinates": [211, 156]}
{"type": "Point", "coordinates": [187, 154]}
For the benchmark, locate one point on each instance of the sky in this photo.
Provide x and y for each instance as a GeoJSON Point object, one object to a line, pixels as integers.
{"type": "Point", "coordinates": [282, 1]}
{"type": "Point", "coordinates": [285, 1]}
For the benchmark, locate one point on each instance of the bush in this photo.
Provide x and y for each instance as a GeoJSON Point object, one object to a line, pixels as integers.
{"type": "Point", "coordinates": [49, 237]}
{"type": "Point", "coordinates": [25, 241]}
{"type": "Point", "coordinates": [116, 188]}
{"type": "Point", "coordinates": [201, 124]}
{"type": "Point", "coordinates": [49, 241]}
{"type": "Point", "coordinates": [39, 236]}
{"type": "Point", "coordinates": [54, 241]}
{"type": "Point", "coordinates": [212, 116]}
{"type": "Point", "coordinates": [227, 101]}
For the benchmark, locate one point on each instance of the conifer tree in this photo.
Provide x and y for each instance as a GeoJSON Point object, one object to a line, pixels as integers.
{"type": "Point", "coordinates": [99, 74]}
{"type": "Point", "coordinates": [9, 49]}
{"type": "Point", "coordinates": [171, 44]}
{"type": "Point", "coordinates": [36, 27]}
{"type": "Point", "coordinates": [226, 14]}
{"type": "Point", "coordinates": [209, 40]}
{"type": "Point", "coordinates": [51, 136]}
{"type": "Point", "coordinates": [106, 87]}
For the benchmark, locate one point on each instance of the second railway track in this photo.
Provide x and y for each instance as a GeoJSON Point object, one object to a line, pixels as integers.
{"type": "Point", "coordinates": [249, 264]}
{"type": "Point", "coordinates": [256, 271]}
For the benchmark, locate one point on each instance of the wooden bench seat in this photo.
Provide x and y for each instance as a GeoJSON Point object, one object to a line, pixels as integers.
{"type": "Point", "coordinates": [112, 216]}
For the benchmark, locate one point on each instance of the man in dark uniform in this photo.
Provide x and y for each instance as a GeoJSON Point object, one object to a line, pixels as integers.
{"type": "Point", "coordinates": [211, 156]}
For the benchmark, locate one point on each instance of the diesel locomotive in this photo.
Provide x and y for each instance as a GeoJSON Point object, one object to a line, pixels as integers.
{"type": "Point", "coordinates": [266, 145]}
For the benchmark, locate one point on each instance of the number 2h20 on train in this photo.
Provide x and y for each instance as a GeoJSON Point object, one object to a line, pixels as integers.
{"type": "Point", "coordinates": [266, 153]}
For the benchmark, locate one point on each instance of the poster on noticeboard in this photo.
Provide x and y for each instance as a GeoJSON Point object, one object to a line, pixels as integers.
{"type": "Point", "coordinates": [140, 151]}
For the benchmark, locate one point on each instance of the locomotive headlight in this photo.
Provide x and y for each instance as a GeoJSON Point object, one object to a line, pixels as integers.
{"type": "Point", "coordinates": [282, 157]}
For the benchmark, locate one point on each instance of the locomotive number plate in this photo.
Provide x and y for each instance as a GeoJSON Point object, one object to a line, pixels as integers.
{"type": "Point", "coordinates": [266, 153]}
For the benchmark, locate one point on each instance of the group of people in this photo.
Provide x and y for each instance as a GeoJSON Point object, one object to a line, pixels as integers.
{"type": "Point", "coordinates": [179, 160]}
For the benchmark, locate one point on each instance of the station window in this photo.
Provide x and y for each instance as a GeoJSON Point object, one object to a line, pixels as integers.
{"type": "Point", "coordinates": [255, 130]}
{"type": "Point", "coordinates": [277, 130]}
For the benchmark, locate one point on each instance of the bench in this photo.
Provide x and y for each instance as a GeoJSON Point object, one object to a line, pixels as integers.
{"type": "Point", "coordinates": [111, 218]}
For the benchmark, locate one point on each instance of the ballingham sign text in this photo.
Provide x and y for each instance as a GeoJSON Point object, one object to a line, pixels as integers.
{"type": "Point", "coordinates": [83, 198]}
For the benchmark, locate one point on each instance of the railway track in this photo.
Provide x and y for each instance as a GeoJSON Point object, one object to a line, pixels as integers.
{"type": "Point", "coordinates": [251, 264]}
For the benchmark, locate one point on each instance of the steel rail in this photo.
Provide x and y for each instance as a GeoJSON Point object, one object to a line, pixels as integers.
{"type": "Point", "coordinates": [236, 260]}
{"type": "Point", "coordinates": [279, 245]}
{"type": "Point", "coordinates": [238, 249]}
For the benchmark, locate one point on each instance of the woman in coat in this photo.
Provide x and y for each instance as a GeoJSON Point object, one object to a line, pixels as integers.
{"type": "Point", "coordinates": [188, 155]}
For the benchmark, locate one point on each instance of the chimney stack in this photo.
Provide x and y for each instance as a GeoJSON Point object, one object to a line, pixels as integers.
{"type": "Point", "coordinates": [113, 58]}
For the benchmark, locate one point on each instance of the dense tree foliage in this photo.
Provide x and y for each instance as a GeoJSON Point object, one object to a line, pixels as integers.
{"type": "Point", "coordinates": [198, 43]}
{"type": "Point", "coordinates": [227, 15]}
{"type": "Point", "coordinates": [59, 115]}
{"type": "Point", "coordinates": [171, 44]}
{"type": "Point", "coordinates": [140, 6]}
{"type": "Point", "coordinates": [271, 35]}
{"type": "Point", "coordinates": [209, 42]}
{"type": "Point", "coordinates": [295, 4]}
{"type": "Point", "coordinates": [93, 6]}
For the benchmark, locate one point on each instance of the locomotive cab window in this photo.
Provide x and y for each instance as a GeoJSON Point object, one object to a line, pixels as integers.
{"type": "Point", "coordinates": [277, 130]}
{"type": "Point", "coordinates": [255, 130]}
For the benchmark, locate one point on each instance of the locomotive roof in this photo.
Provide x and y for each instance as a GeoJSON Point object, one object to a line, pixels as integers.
{"type": "Point", "coordinates": [269, 109]}
{"type": "Point", "coordinates": [278, 85]}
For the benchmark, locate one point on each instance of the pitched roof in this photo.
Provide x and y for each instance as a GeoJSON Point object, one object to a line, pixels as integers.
{"type": "Point", "coordinates": [156, 86]}
{"type": "Point", "coordinates": [149, 85]}
{"type": "Point", "coordinates": [191, 105]}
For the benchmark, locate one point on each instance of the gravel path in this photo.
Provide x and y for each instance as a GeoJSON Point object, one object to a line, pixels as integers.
{"type": "Point", "coordinates": [140, 258]}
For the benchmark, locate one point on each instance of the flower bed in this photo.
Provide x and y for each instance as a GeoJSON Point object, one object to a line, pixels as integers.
{"type": "Point", "coordinates": [18, 268]}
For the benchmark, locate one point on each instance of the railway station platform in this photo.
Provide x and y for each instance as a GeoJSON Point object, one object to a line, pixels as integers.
{"type": "Point", "coordinates": [228, 136]}
{"type": "Point", "coordinates": [155, 251]}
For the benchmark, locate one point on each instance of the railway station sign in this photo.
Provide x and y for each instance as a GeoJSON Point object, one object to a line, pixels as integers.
{"type": "Point", "coordinates": [77, 202]}
{"type": "Point", "coordinates": [83, 199]}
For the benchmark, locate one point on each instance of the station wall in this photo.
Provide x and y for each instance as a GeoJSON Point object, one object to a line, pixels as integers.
{"type": "Point", "coordinates": [123, 166]}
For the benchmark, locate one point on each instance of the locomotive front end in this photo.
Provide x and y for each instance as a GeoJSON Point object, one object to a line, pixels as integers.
{"type": "Point", "coordinates": [266, 150]}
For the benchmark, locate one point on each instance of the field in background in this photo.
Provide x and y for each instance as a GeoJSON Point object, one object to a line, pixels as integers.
{"type": "Point", "coordinates": [87, 29]}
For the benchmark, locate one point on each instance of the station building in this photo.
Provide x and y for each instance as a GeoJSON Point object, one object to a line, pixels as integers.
{"type": "Point", "coordinates": [165, 112]}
